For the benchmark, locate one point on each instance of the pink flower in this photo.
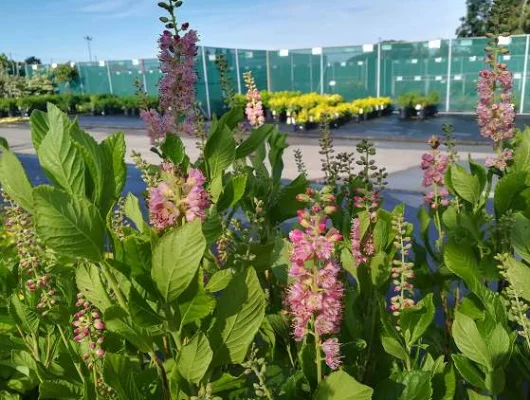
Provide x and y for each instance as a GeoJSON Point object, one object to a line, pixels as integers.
{"type": "Point", "coordinates": [254, 108]}
{"type": "Point", "coordinates": [331, 348]}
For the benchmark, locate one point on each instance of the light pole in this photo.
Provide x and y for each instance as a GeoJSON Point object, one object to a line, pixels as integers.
{"type": "Point", "coordinates": [88, 41]}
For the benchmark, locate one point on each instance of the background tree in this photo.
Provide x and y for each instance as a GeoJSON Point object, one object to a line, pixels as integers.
{"type": "Point", "coordinates": [65, 73]}
{"type": "Point", "coordinates": [509, 16]}
{"type": "Point", "coordinates": [32, 60]}
{"type": "Point", "coordinates": [476, 19]}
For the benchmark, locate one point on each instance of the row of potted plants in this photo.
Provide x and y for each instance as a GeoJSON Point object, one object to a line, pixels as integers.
{"type": "Point", "coordinates": [414, 104]}
{"type": "Point", "coordinates": [96, 104]}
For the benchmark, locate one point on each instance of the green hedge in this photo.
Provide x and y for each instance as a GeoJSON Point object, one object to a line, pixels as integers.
{"type": "Point", "coordinates": [75, 103]}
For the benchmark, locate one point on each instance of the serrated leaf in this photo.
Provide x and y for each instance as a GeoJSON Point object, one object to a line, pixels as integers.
{"type": "Point", "coordinates": [39, 127]}
{"type": "Point", "coordinates": [118, 374]}
{"type": "Point", "coordinates": [60, 159]}
{"type": "Point", "coordinates": [238, 316]}
{"type": "Point", "coordinates": [518, 274]}
{"type": "Point", "coordinates": [14, 180]}
{"type": "Point", "coordinates": [417, 386]}
{"type": "Point", "coordinates": [176, 259]}
{"type": "Point", "coordinates": [256, 138]}
{"type": "Point", "coordinates": [200, 306]}
{"type": "Point", "coordinates": [507, 189]}
{"type": "Point", "coordinates": [467, 186]}
{"type": "Point", "coordinates": [25, 317]}
{"type": "Point", "coordinates": [114, 158]}
{"type": "Point", "coordinates": [341, 386]}
{"type": "Point", "coordinates": [90, 284]}
{"type": "Point", "coordinates": [233, 192]}
{"type": "Point", "coordinates": [141, 312]}
{"type": "Point", "coordinates": [133, 211]}
{"type": "Point", "coordinates": [286, 205]}
{"type": "Point", "coordinates": [415, 321]}
{"type": "Point", "coordinates": [60, 389]}
{"type": "Point", "coordinates": [469, 340]}
{"type": "Point", "coordinates": [521, 156]}
{"type": "Point", "coordinates": [194, 358]}
{"type": "Point", "coordinates": [72, 226]}
{"type": "Point", "coordinates": [520, 235]}
{"type": "Point", "coordinates": [219, 151]}
{"type": "Point", "coordinates": [220, 280]}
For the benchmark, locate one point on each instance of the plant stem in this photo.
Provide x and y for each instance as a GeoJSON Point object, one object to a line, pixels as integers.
{"type": "Point", "coordinates": [262, 383]}
{"type": "Point", "coordinates": [114, 283]}
{"type": "Point", "coordinates": [70, 351]}
{"type": "Point", "coordinates": [318, 355]}
{"type": "Point", "coordinates": [166, 393]}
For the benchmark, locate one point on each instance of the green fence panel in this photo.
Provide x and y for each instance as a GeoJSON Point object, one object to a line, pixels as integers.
{"type": "Point", "coordinates": [350, 71]}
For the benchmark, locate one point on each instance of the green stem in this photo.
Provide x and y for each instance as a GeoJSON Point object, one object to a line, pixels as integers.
{"type": "Point", "coordinates": [114, 283]}
{"type": "Point", "coordinates": [262, 383]}
{"type": "Point", "coordinates": [166, 393]}
{"type": "Point", "coordinates": [318, 355]}
{"type": "Point", "coordinates": [70, 351]}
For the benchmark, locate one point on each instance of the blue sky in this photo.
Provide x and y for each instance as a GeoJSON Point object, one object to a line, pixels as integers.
{"type": "Point", "coordinates": [125, 29]}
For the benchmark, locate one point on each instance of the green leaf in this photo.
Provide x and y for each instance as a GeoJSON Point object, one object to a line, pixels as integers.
{"type": "Point", "coordinates": [60, 159]}
{"type": "Point", "coordinates": [194, 358]}
{"type": "Point", "coordinates": [444, 382]}
{"type": "Point", "coordinates": [114, 160]}
{"type": "Point", "coordinates": [460, 260]}
{"type": "Point", "coordinates": [219, 151]}
{"type": "Point", "coordinates": [476, 396]}
{"type": "Point", "coordinates": [469, 340]}
{"type": "Point", "coordinates": [60, 389]}
{"type": "Point", "coordinates": [72, 226]}
{"type": "Point", "coordinates": [212, 226]}
{"type": "Point", "coordinates": [417, 386]}
{"type": "Point", "coordinates": [286, 205]}
{"type": "Point", "coordinates": [141, 312]}
{"type": "Point", "coordinates": [233, 192]}
{"type": "Point", "coordinates": [499, 345]}
{"type": "Point", "coordinates": [220, 280]}
{"type": "Point", "coordinates": [238, 316]}
{"type": "Point", "coordinates": [257, 137]}
{"type": "Point", "coordinates": [39, 127]}
{"type": "Point", "coordinates": [466, 185]}
{"type": "Point", "coordinates": [507, 190]}
{"type": "Point", "coordinates": [174, 149]}
{"type": "Point", "coordinates": [393, 347]}
{"type": "Point", "coordinates": [520, 235]}
{"type": "Point", "coordinates": [341, 386]}
{"type": "Point", "coordinates": [521, 156]}
{"type": "Point", "coordinates": [24, 316]}
{"type": "Point", "coordinates": [118, 374]}
{"type": "Point", "coordinates": [114, 318]}
{"type": "Point", "coordinates": [176, 259]}
{"type": "Point", "coordinates": [4, 143]}
{"type": "Point", "coordinates": [415, 321]}
{"type": "Point", "coordinates": [479, 171]}
{"type": "Point", "coordinates": [379, 268]}
{"type": "Point", "coordinates": [14, 180]}
{"type": "Point", "coordinates": [89, 283]}
{"type": "Point", "coordinates": [199, 307]}
{"type": "Point", "coordinates": [133, 211]}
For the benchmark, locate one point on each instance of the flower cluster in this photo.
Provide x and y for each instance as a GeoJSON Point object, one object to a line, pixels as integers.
{"type": "Point", "coordinates": [362, 250]}
{"type": "Point", "coordinates": [314, 299]}
{"type": "Point", "coordinates": [176, 198]}
{"type": "Point", "coordinates": [31, 256]}
{"type": "Point", "coordinates": [90, 328]}
{"type": "Point", "coordinates": [254, 109]}
{"type": "Point", "coordinates": [401, 270]}
{"type": "Point", "coordinates": [177, 86]}
{"type": "Point", "coordinates": [495, 110]}
{"type": "Point", "coordinates": [435, 164]}
{"type": "Point", "coordinates": [500, 162]}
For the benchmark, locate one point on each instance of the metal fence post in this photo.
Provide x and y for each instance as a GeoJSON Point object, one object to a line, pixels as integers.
{"type": "Point", "coordinates": [206, 87]}
{"type": "Point", "coordinates": [322, 71]}
{"type": "Point", "coordinates": [268, 66]}
{"type": "Point", "coordinates": [238, 72]}
{"type": "Point", "coordinates": [144, 77]}
{"type": "Point", "coordinates": [379, 69]}
{"type": "Point", "coordinates": [525, 74]}
{"type": "Point", "coordinates": [449, 65]}
{"type": "Point", "coordinates": [109, 77]}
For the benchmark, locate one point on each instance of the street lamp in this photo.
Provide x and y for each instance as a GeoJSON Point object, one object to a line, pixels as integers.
{"type": "Point", "coordinates": [88, 41]}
